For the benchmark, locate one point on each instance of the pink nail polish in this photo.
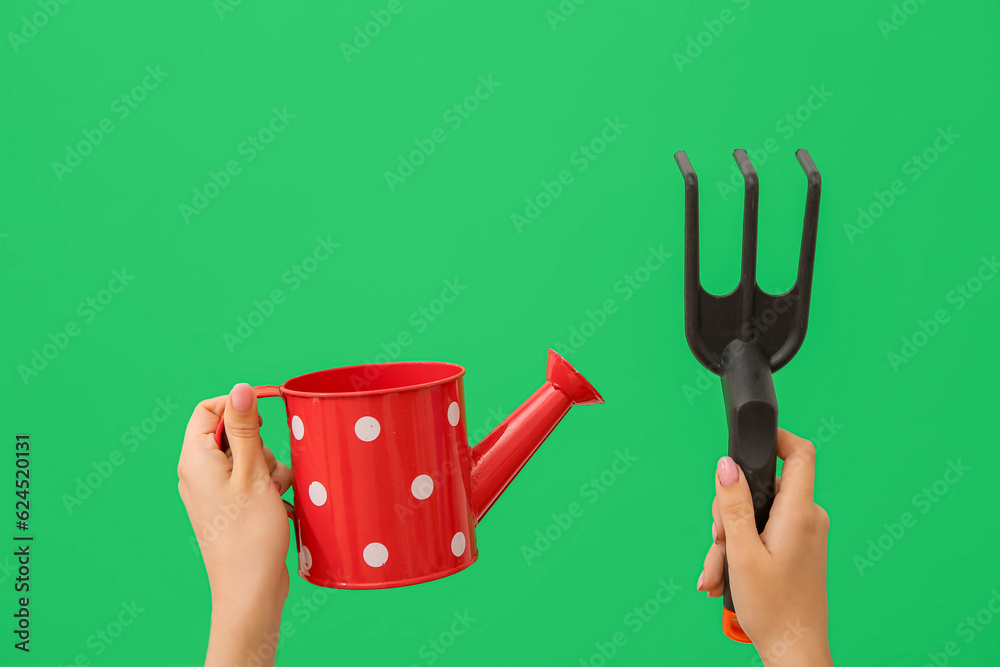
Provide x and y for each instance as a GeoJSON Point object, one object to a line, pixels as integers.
{"type": "Point", "coordinates": [728, 474]}
{"type": "Point", "coordinates": [278, 487]}
{"type": "Point", "coordinates": [701, 577]}
{"type": "Point", "coordinates": [241, 396]}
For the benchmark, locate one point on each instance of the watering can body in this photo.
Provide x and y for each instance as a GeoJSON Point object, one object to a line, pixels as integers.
{"type": "Point", "coordinates": [387, 490]}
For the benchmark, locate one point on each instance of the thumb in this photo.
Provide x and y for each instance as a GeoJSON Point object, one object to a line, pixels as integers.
{"type": "Point", "coordinates": [243, 432]}
{"type": "Point", "coordinates": [736, 512]}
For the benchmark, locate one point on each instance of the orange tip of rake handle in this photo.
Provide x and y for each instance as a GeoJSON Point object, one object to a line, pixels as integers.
{"type": "Point", "coordinates": [731, 627]}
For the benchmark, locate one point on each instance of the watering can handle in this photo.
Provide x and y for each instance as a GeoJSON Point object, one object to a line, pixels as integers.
{"type": "Point", "coordinates": [261, 391]}
{"type": "Point", "coordinates": [752, 416]}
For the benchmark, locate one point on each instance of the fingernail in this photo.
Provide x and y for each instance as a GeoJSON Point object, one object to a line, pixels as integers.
{"type": "Point", "coordinates": [260, 420]}
{"type": "Point", "coordinates": [701, 577]}
{"type": "Point", "coordinates": [278, 487]}
{"type": "Point", "coordinates": [715, 533]}
{"type": "Point", "coordinates": [727, 471]}
{"type": "Point", "coordinates": [242, 397]}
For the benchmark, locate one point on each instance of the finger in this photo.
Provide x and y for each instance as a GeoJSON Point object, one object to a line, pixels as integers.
{"type": "Point", "coordinates": [243, 432]}
{"type": "Point", "coordinates": [736, 509]}
{"type": "Point", "coordinates": [718, 530]}
{"type": "Point", "coordinates": [712, 573]}
{"type": "Point", "coordinates": [798, 471]}
{"type": "Point", "coordinates": [282, 476]}
{"type": "Point", "coordinates": [224, 441]}
{"type": "Point", "coordinates": [272, 462]}
{"type": "Point", "coordinates": [205, 417]}
{"type": "Point", "coordinates": [199, 453]}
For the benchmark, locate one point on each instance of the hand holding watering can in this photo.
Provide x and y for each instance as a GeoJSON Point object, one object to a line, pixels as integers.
{"type": "Point", "coordinates": [388, 492]}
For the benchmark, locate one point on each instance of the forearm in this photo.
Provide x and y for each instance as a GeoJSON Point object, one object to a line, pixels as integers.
{"type": "Point", "coordinates": [243, 633]}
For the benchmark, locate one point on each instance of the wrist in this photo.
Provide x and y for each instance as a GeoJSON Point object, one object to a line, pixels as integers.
{"type": "Point", "coordinates": [260, 608]}
{"type": "Point", "coordinates": [240, 596]}
{"type": "Point", "coordinates": [799, 654]}
{"type": "Point", "coordinates": [245, 630]}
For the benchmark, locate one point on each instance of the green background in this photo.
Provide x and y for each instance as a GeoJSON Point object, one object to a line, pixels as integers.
{"type": "Point", "coordinates": [889, 94]}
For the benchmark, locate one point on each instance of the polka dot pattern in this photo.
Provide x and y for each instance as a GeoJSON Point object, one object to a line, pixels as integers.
{"type": "Point", "coordinates": [305, 559]}
{"type": "Point", "coordinates": [317, 494]}
{"type": "Point", "coordinates": [458, 543]}
{"type": "Point", "coordinates": [375, 554]}
{"type": "Point", "coordinates": [367, 429]}
{"type": "Point", "coordinates": [422, 487]}
{"type": "Point", "coordinates": [406, 466]}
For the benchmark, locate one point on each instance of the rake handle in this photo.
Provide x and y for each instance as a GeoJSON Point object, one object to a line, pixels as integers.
{"type": "Point", "coordinates": [752, 417]}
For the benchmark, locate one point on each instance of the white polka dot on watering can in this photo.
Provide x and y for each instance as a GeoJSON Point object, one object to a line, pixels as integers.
{"type": "Point", "coordinates": [422, 487]}
{"type": "Point", "coordinates": [317, 494]}
{"type": "Point", "coordinates": [367, 429]}
{"type": "Point", "coordinates": [298, 428]}
{"type": "Point", "coordinates": [458, 543]}
{"type": "Point", "coordinates": [454, 413]}
{"type": "Point", "coordinates": [375, 554]}
{"type": "Point", "coordinates": [305, 559]}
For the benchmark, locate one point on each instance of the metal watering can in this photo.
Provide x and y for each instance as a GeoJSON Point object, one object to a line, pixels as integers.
{"type": "Point", "coordinates": [388, 492]}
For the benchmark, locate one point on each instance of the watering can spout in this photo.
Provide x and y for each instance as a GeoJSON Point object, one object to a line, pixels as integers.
{"type": "Point", "coordinates": [501, 455]}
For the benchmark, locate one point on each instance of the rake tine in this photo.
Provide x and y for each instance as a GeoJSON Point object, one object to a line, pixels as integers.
{"type": "Point", "coordinates": [692, 275]}
{"type": "Point", "coordinates": [807, 259]}
{"type": "Point", "coordinates": [807, 253]}
{"type": "Point", "coordinates": [748, 265]}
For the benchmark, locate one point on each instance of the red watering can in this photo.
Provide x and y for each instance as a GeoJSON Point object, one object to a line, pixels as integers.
{"type": "Point", "coordinates": [388, 492]}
